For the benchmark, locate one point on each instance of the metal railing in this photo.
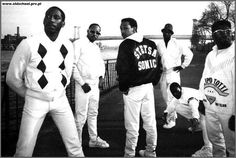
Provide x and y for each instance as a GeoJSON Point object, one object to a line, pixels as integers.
{"type": "Point", "coordinates": [12, 104]}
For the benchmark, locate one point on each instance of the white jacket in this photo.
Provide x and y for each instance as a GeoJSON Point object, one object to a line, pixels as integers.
{"type": "Point", "coordinates": [171, 55]}
{"type": "Point", "coordinates": [190, 97]}
{"type": "Point", "coordinates": [218, 80]}
{"type": "Point", "coordinates": [89, 65]}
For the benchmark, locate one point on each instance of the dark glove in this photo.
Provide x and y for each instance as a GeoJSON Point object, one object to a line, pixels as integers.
{"type": "Point", "coordinates": [178, 68]}
{"type": "Point", "coordinates": [126, 92]}
{"type": "Point", "coordinates": [86, 88]}
{"type": "Point", "coordinates": [231, 123]}
{"type": "Point", "coordinates": [164, 118]}
{"type": "Point", "coordinates": [101, 83]}
{"type": "Point", "coordinates": [194, 123]}
{"type": "Point", "coordinates": [201, 107]}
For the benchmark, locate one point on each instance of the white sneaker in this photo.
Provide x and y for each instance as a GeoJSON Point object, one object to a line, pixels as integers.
{"type": "Point", "coordinates": [169, 125]}
{"type": "Point", "coordinates": [98, 143]}
{"type": "Point", "coordinates": [145, 153]}
{"type": "Point", "coordinates": [198, 129]}
{"type": "Point", "coordinates": [128, 156]}
{"type": "Point", "coordinates": [205, 151]}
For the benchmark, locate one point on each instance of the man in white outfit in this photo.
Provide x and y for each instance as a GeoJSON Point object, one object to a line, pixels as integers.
{"type": "Point", "coordinates": [171, 52]}
{"type": "Point", "coordinates": [40, 71]}
{"type": "Point", "coordinates": [88, 73]}
{"type": "Point", "coordinates": [188, 103]}
{"type": "Point", "coordinates": [218, 86]}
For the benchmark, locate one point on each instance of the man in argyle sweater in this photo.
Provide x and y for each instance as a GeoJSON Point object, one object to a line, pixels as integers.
{"type": "Point", "coordinates": [39, 71]}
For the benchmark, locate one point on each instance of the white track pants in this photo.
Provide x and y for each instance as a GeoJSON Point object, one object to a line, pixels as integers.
{"type": "Point", "coordinates": [165, 80]}
{"type": "Point", "coordinates": [204, 131]}
{"type": "Point", "coordinates": [140, 99]}
{"type": "Point", "coordinates": [188, 111]}
{"type": "Point", "coordinates": [220, 135]}
{"type": "Point", "coordinates": [33, 116]}
{"type": "Point", "coordinates": [86, 108]}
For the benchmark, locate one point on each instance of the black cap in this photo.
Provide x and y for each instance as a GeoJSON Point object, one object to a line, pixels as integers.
{"type": "Point", "coordinates": [221, 24]}
{"type": "Point", "coordinates": [168, 27]}
{"type": "Point", "coordinates": [176, 90]}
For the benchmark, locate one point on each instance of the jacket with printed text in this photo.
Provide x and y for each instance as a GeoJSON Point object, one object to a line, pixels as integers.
{"type": "Point", "coordinates": [138, 62]}
{"type": "Point", "coordinates": [218, 80]}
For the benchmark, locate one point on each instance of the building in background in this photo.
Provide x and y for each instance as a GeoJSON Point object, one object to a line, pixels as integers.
{"type": "Point", "coordinates": [10, 42]}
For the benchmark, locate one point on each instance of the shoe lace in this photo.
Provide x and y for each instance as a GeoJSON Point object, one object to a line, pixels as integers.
{"type": "Point", "coordinates": [204, 148]}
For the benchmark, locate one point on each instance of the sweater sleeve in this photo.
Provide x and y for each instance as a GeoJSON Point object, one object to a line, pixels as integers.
{"type": "Point", "coordinates": [17, 68]}
{"type": "Point", "coordinates": [233, 90]}
{"type": "Point", "coordinates": [76, 73]}
{"type": "Point", "coordinates": [188, 56]}
{"type": "Point", "coordinates": [201, 85]}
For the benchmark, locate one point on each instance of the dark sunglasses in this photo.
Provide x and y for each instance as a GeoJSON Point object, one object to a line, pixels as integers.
{"type": "Point", "coordinates": [95, 32]}
{"type": "Point", "coordinates": [227, 31]}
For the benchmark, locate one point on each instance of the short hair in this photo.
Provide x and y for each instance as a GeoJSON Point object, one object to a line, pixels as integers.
{"type": "Point", "coordinates": [132, 22]}
{"type": "Point", "coordinates": [93, 24]}
{"type": "Point", "coordinates": [219, 24]}
{"type": "Point", "coordinates": [53, 8]}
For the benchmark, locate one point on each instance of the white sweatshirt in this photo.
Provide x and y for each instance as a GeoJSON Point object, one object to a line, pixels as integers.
{"type": "Point", "coordinates": [190, 97]}
{"type": "Point", "coordinates": [218, 80]}
{"type": "Point", "coordinates": [171, 55]}
{"type": "Point", "coordinates": [37, 68]}
{"type": "Point", "coordinates": [89, 65]}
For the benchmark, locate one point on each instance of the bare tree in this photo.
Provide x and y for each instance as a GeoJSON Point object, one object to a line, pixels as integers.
{"type": "Point", "coordinates": [229, 7]}
{"type": "Point", "coordinates": [216, 10]}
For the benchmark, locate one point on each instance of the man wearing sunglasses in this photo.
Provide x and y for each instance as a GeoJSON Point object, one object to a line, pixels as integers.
{"type": "Point", "coordinates": [218, 86]}
{"type": "Point", "coordinates": [88, 73]}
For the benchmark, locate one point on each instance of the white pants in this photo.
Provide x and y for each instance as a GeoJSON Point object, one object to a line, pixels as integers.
{"type": "Point", "coordinates": [140, 99]}
{"type": "Point", "coordinates": [34, 113]}
{"type": "Point", "coordinates": [165, 80]}
{"type": "Point", "coordinates": [220, 135]}
{"type": "Point", "coordinates": [188, 111]}
{"type": "Point", "coordinates": [86, 108]}
{"type": "Point", "coordinates": [204, 131]}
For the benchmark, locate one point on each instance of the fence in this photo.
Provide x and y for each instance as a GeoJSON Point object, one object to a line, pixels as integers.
{"type": "Point", "coordinates": [12, 104]}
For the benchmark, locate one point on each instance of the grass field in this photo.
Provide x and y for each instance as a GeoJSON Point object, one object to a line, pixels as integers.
{"type": "Point", "coordinates": [190, 77]}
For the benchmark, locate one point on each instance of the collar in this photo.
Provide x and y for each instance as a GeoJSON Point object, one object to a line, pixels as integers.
{"type": "Point", "coordinates": [44, 36]}
{"type": "Point", "coordinates": [215, 48]}
{"type": "Point", "coordinates": [136, 37]}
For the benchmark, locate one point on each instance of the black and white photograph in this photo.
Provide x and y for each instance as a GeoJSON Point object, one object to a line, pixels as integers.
{"type": "Point", "coordinates": [117, 78]}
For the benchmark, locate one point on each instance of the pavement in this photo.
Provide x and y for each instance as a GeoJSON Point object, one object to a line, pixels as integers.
{"type": "Point", "coordinates": [175, 142]}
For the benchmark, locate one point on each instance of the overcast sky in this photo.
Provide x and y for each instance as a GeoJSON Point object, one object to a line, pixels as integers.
{"type": "Point", "coordinates": [150, 15]}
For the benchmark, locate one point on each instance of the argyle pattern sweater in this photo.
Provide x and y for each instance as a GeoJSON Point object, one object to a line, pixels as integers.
{"type": "Point", "coordinates": [42, 65]}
